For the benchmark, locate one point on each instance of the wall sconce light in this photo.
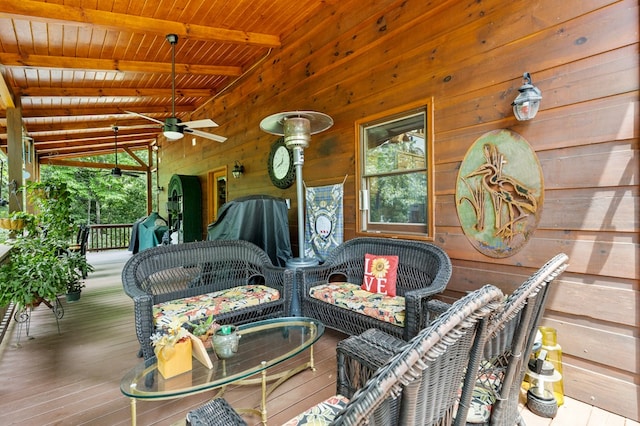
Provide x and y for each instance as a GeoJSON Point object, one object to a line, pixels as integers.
{"type": "Point", "coordinates": [526, 105]}
{"type": "Point", "coordinates": [238, 170]}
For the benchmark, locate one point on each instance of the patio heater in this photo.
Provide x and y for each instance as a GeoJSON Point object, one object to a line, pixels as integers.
{"type": "Point", "coordinates": [297, 128]}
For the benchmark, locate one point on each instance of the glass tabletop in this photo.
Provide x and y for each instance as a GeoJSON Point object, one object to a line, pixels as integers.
{"type": "Point", "coordinates": [263, 344]}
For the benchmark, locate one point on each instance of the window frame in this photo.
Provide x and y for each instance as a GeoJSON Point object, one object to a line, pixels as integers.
{"type": "Point", "coordinates": [408, 231]}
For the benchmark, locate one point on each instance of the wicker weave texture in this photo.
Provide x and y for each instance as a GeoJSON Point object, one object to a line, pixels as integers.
{"type": "Point", "coordinates": [425, 374]}
{"type": "Point", "coordinates": [360, 356]}
{"type": "Point", "coordinates": [216, 412]}
{"type": "Point", "coordinates": [511, 337]}
{"type": "Point", "coordinates": [510, 332]}
{"type": "Point", "coordinates": [174, 272]}
{"type": "Point", "coordinates": [424, 270]}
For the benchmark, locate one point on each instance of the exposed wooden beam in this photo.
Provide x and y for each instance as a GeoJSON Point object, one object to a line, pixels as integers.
{"type": "Point", "coordinates": [111, 91]}
{"type": "Point", "coordinates": [123, 122]}
{"type": "Point", "coordinates": [67, 146]}
{"type": "Point", "coordinates": [70, 112]}
{"type": "Point", "coordinates": [94, 138]}
{"type": "Point", "coordinates": [50, 12]}
{"type": "Point", "coordinates": [65, 62]}
{"type": "Point", "coordinates": [90, 165]}
{"type": "Point", "coordinates": [75, 150]}
{"type": "Point", "coordinates": [134, 156]}
{"type": "Point", "coordinates": [86, 150]}
{"type": "Point", "coordinates": [6, 99]}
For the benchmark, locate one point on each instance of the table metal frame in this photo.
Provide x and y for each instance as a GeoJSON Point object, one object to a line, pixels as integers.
{"type": "Point", "coordinates": [240, 379]}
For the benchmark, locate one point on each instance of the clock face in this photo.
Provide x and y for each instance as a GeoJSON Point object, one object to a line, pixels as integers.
{"type": "Point", "coordinates": [281, 162]}
{"type": "Point", "coordinates": [280, 166]}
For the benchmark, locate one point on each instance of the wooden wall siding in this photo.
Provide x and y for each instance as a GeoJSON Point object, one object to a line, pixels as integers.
{"type": "Point", "coordinates": [355, 59]}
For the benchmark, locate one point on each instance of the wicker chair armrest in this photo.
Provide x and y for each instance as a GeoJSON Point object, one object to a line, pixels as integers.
{"type": "Point", "coordinates": [435, 308]}
{"type": "Point", "coordinates": [308, 277]}
{"type": "Point", "coordinates": [416, 315]}
{"type": "Point", "coordinates": [133, 291]}
{"type": "Point", "coordinates": [358, 357]}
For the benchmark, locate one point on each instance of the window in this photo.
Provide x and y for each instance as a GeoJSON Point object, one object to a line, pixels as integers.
{"type": "Point", "coordinates": [395, 170]}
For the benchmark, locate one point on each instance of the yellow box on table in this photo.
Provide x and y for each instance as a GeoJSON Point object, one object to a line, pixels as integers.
{"type": "Point", "coordinates": [175, 360]}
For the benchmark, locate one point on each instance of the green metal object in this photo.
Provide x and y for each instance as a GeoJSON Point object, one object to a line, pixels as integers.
{"type": "Point", "coordinates": [184, 207]}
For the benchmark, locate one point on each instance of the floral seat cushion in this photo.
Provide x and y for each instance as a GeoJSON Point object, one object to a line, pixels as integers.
{"type": "Point", "coordinates": [353, 297]}
{"type": "Point", "coordinates": [483, 396]}
{"type": "Point", "coordinates": [194, 308]}
{"type": "Point", "coordinates": [320, 414]}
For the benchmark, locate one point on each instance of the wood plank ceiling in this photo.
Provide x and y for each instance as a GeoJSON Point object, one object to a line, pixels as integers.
{"type": "Point", "coordinates": [75, 67]}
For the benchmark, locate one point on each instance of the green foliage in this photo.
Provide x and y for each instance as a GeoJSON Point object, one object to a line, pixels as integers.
{"type": "Point", "coordinates": [99, 197]}
{"type": "Point", "coordinates": [41, 264]}
{"type": "Point", "coordinates": [397, 194]}
{"type": "Point", "coordinates": [393, 198]}
{"type": "Point", "coordinates": [52, 202]}
{"type": "Point", "coordinates": [202, 327]}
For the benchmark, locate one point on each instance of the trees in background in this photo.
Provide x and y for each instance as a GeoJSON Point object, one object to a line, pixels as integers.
{"type": "Point", "coordinates": [100, 198]}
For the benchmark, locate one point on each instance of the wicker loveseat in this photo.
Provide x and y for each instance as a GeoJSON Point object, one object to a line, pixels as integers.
{"type": "Point", "coordinates": [423, 270]}
{"type": "Point", "coordinates": [234, 281]}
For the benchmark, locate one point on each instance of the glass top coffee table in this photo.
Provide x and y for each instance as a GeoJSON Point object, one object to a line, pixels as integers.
{"type": "Point", "coordinates": [263, 344]}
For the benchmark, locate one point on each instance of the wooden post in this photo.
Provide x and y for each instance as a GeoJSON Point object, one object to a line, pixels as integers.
{"type": "Point", "coordinates": [14, 155]}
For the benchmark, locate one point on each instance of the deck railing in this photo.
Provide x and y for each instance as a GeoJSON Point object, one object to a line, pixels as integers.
{"type": "Point", "coordinates": [107, 237]}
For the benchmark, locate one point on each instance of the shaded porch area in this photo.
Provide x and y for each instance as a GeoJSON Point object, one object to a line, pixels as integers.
{"type": "Point", "coordinates": [73, 378]}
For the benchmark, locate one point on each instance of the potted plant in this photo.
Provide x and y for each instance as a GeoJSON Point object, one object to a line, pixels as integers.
{"type": "Point", "coordinates": [74, 285]}
{"type": "Point", "coordinates": [204, 330]}
{"type": "Point", "coordinates": [40, 265]}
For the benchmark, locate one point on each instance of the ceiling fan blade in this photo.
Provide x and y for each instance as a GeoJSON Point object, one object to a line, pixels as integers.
{"type": "Point", "coordinates": [144, 116]}
{"type": "Point", "coordinates": [205, 135]}
{"type": "Point", "coordinates": [196, 124]}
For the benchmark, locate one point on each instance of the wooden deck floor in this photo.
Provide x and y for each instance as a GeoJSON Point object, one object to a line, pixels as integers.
{"type": "Point", "coordinates": [73, 378]}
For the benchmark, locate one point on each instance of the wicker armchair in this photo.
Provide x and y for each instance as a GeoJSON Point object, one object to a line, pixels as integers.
{"type": "Point", "coordinates": [502, 363]}
{"type": "Point", "coordinates": [169, 273]}
{"type": "Point", "coordinates": [424, 270]}
{"type": "Point", "coordinates": [424, 376]}
{"type": "Point", "coordinates": [511, 335]}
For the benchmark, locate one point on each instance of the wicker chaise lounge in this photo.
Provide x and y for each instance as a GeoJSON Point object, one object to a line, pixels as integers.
{"type": "Point", "coordinates": [425, 376]}
{"type": "Point", "coordinates": [423, 270]}
{"type": "Point", "coordinates": [234, 281]}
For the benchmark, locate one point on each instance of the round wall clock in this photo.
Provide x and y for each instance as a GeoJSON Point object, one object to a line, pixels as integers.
{"type": "Point", "coordinates": [281, 169]}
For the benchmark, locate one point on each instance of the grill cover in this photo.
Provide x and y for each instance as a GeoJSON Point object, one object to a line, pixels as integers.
{"type": "Point", "coordinates": [259, 219]}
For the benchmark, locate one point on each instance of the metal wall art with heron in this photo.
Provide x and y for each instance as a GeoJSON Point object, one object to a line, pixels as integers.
{"type": "Point", "coordinates": [499, 193]}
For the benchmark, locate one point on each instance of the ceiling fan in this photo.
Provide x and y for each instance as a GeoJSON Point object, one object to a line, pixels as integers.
{"type": "Point", "coordinates": [173, 128]}
{"type": "Point", "coordinates": [116, 171]}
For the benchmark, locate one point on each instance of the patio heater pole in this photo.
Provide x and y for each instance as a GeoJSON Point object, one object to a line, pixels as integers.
{"type": "Point", "coordinates": [297, 128]}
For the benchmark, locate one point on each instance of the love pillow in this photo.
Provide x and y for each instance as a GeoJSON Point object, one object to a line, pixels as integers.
{"type": "Point", "coordinates": [380, 274]}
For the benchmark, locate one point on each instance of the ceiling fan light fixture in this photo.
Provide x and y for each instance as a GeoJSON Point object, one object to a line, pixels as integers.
{"type": "Point", "coordinates": [174, 135]}
{"type": "Point", "coordinates": [171, 129]}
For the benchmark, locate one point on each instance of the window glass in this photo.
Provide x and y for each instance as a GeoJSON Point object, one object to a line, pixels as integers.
{"type": "Point", "coordinates": [395, 170]}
